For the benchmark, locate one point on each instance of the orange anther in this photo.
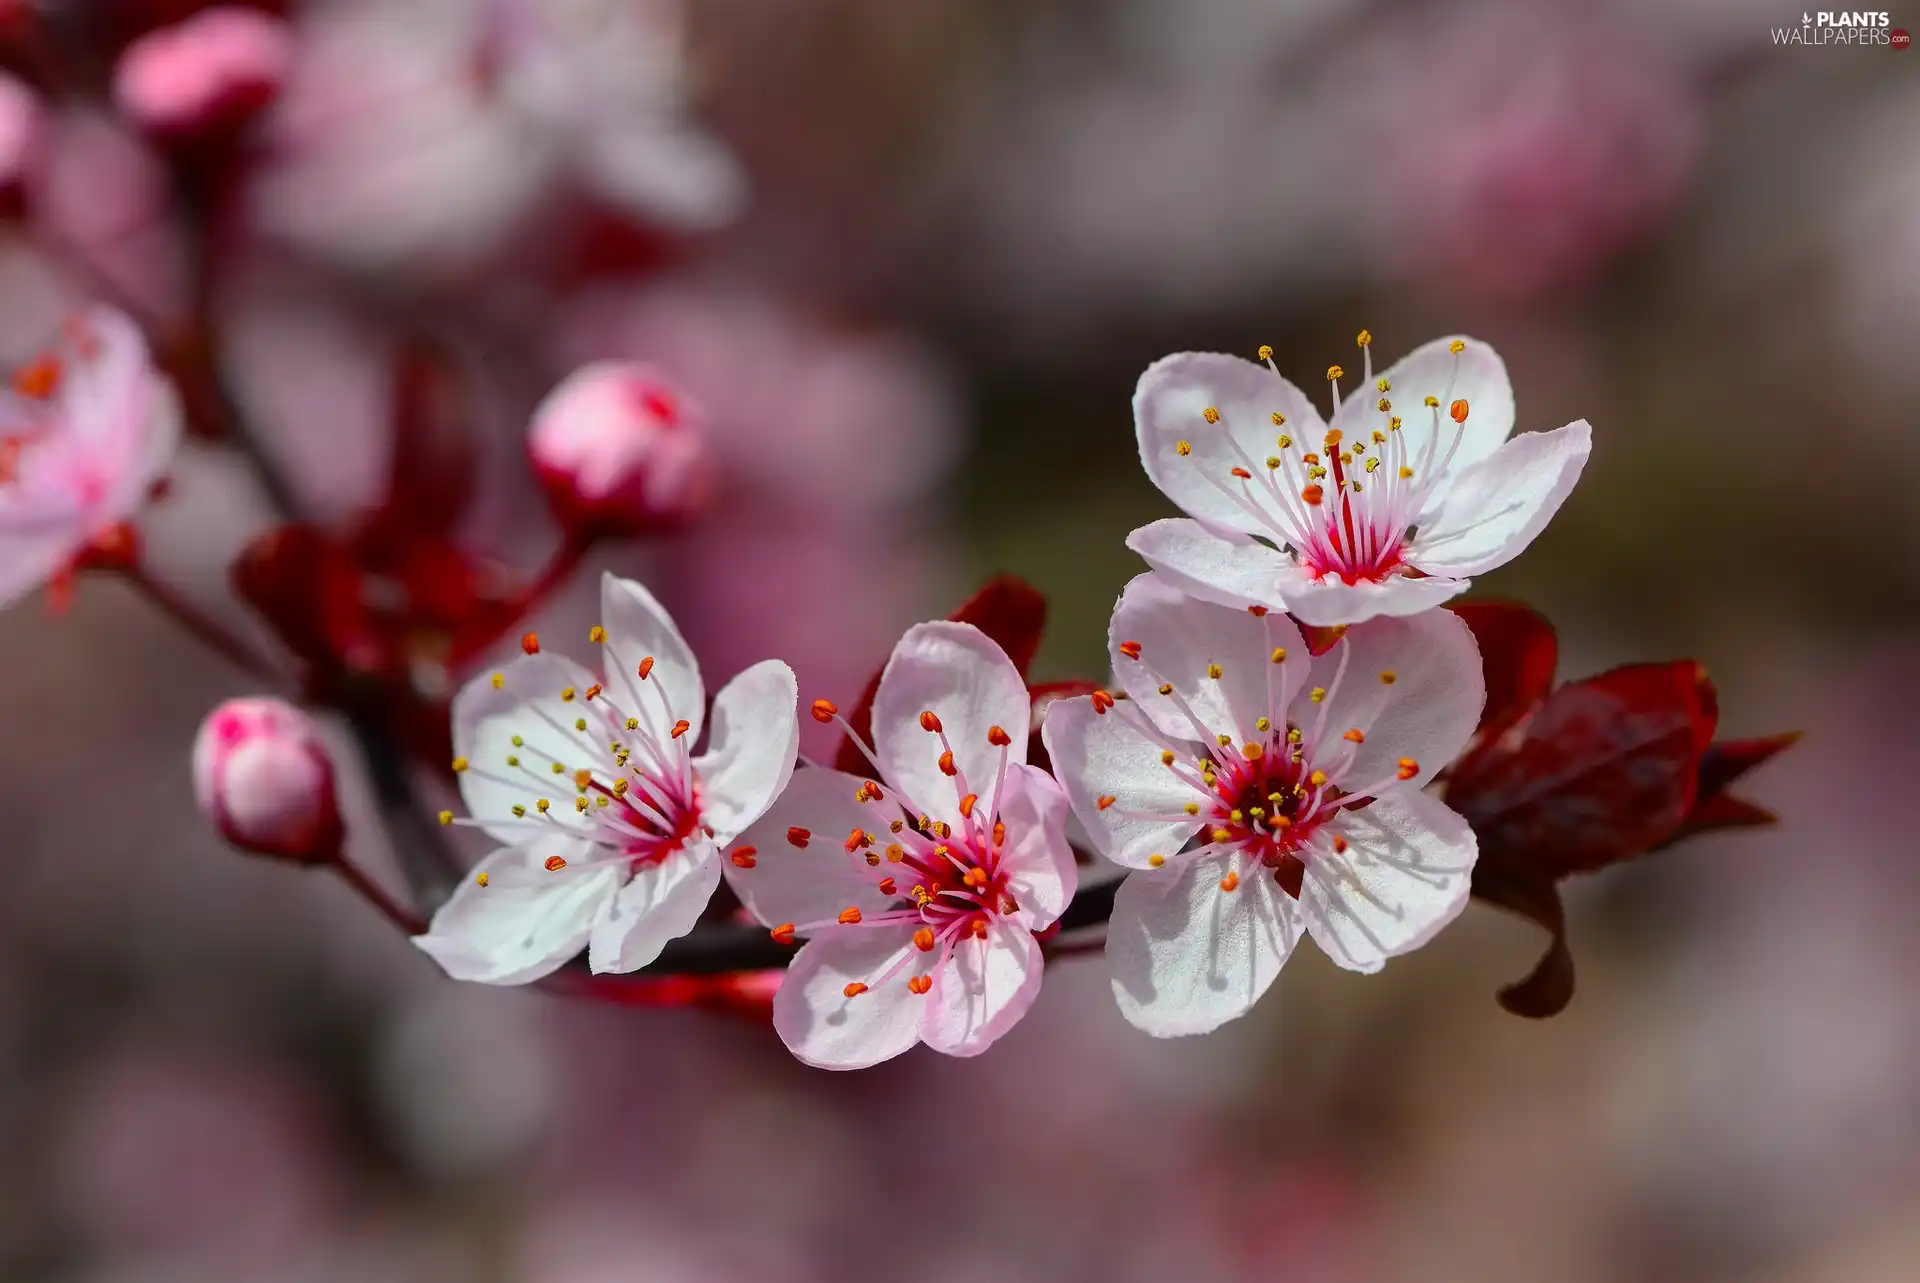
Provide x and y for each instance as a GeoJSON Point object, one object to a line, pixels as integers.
{"type": "Point", "coordinates": [1210, 414]}
{"type": "Point", "coordinates": [930, 722]}
{"type": "Point", "coordinates": [1231, 882]}
{"type": "Point", "coordinates": [1313, 495]}
{"type": "Point", "coordinates": [856, 839]}
{"type": "Point", "coordinates": [680, 728]}
{"type": "Point", "coordinates": [1356, 736]}
{"type": "Point", "coordinates": [1105, 800]}
{"type": "Point", "coordinates": [998, 737]}
{"type": "Point", "coordinates": [1258, 612]}
{"type": "Point", "coordinates": [797, 836]}
{"type": "Point", "coordinates": [646, 667]}
{"type": "Point", "coordinates": [1102, 701]}
{"type": "Point", "coordinates": [923, 939]}
{"type": "Point", "coordinates": [743, 858]}
{"type": "Point", "coordinates": [1243, 474]}
{"type": "Point", "coordinates": [555, 863]}
{"type": "Point", "coordinates": [887, 885]}
{"type": "Point", "coordinates": [979, 928]}
{"type": "Point", "coordinates": [854, 989]}
{"type": "Point", "coordinates": [1408, 768]}
{"type": "Point", "coordinates": [967, 804]}
{"type": "Point", "coordinates": [823, 710]}
{"type": "Point", "coordinates": [850, 916]}
{"type": "Point", "coordinates": [39, 378]}
{"type": "Point", "coordinates": [975, 877]}
{"type": "Point", "coordinates": [530, 643]}
{"type": "Point", "coordinates": [919, 984]}
{"type": "Point", "coordinates": [946, 764]}
{"type": "Point", "coordinates": [1252, 752]}
{"type": "Point", "coordinates": [593, 691]}
{"type": "Point", "coordinates": [1459, 411]}
{"type": "Point", "coordinates": [1339, 844]}
{"type": "Point", "coordinates": [782, 934]}
{"type": "Point", "coordinates": [1131, 649]}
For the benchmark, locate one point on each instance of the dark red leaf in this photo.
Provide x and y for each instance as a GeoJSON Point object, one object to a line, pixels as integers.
{"type": "Point", "coordinates": [307, 589]}
{"type": "Point", "coordinates": [1548, 988]}
{"type": "Point", "coordinates": [1518, 652]}
{"type": "Point", "coordinates": [1008, 609]}
{"type": "Point", "coordinates": [1320, 640]}
{"type": "Point", "coordinates": [1602, 770]}
{"type": "Point", "coordinates": [1722, 764]}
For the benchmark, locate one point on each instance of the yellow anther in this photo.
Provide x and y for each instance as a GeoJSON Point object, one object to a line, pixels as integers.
{"type": "Point", "coordinates": [1286, 442]}
{"type": "Point", "coordinates": [446, 817]}
{"type": "Point", "coordinates": [1317, 694]}
{"type": "Point", "coordinates": [519, 812]}
{"type": "Point", "coordinates": [1388, 677]}
{"type": "Point", "coordinates": [580, 805]}
{"type": "Point", "coordinates": [517, 742]}
{"type": "Point", "coordinates": [1155, 861]}
{"type": "Point", "coordinates": [1317, 779]}
{"type": "Point", "coordinates": [1252, 752]}
{"type": "Point", "coordinates": [1226, 741]}
{"type": "Point", "coordinates": [633, 723]}
{"type": "Point", "coordinates": [499, 683]}
{"type": "Point", "coordinates": [1383, 405]}
{"type": "Point", "coordinates": [1432, 401]}
{"type": "Point", "coordinates": [1293, 735]}
{"type": "Point", "coordinates": [1213, 671]}
{"type": "Point", "coordinates": [601, 800]}
{"type": "Point", "coordinates": [1279, 654]}
{"type": "Point", "coordinates": [1364, 337]}
{"type": "Point", "coordinates": [480, 879]}
{"type": "Point", "coordinates": [1166, 757]}
{"type": "Point", "coordinates": [1457, 347]}
{"type": "Point", "coordinates": [541, 804]}
{"type": "Point", "coordinates": [579, 723]}
{"type": "Point", "coordinates": [1193, 808]}
{"type": "Point", "coordinates": [1210, 414]}
{"type": "Point", "coordinates": [513, 759]}
{"type": "Point", "coordinates": [1405, 472]}
{"type": "Point", "coordinates": [1166, 688]}
{"type": "Point", "coordinates": [1372, 464]}
{"type": "Point", "coordinates": [1183, 448]}
{"type": "Point", "coordinates": [459, 764]}
{"type": "Point", "coordinates": [1266, 353]}
{"type": "Point", "coordinates": [1262, 725]}
{"type": "Point", "coordinates": [1383, 385]}
{"type": "Point", "coordinates": [1379, 437]}
{"type": "Point", "coordinates": [1334, 372]}
{"type": "Point", "coordinates": [596, 634]}
{"type": "Point", "coordinates": [1237, 816]}
{"type": "Point", "coordinates": [566, 695]}
{"type": "Point", "coordinates": [1279, 419]}
{"type": "Point", "coordinates": [1393, 424]}
{"type": "Point", "coordinates": [559, 769]}
{"type": "Point", "coordinates": [1273, 461]}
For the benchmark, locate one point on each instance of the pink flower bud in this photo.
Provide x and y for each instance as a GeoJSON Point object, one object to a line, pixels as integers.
{"type": "Point", "coordinates": [19, 127]}
{"type": "Point", "coordinates": [620, 452]}
{"type": "Point", "coordinates": [261, 774]}
{"type": "Point", "coordinates": [210, 72]}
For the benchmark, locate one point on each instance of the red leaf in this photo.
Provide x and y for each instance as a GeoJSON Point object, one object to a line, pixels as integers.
{"type": "Point", "coordinates": [1518, 652]}
{"type": "Point", "coordinates": [1320, 640]}
{"type": "Point", "coordinates": [1008, 609]}
{"type": "Point", "coordinates": [1722, 764]}
{"type": "Point", "coordinates": [734, 993]}
{"type": "Point", "coordinates": [307, 588]}
{"type": "Point", "coordinates": [1548, 988]}
{"type": "Point", "coordinates": [1602, 770]}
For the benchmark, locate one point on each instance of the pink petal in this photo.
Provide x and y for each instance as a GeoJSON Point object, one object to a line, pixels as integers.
{"type": "Point", "coordinates": [751, 746]}
{"type": "Point", "coordinates": [956, 672]}
{"type": "Point", "coordinates": [1494, 509]}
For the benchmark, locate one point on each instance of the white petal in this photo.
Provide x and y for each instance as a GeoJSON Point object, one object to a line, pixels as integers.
{"type": "Point", "coordinates": [526, 922]}
{"type": "Point", "coordinates": [1169, 407]}
{"type": "Point", "coordinates": [1405, 874]}
{"type": "Point", "coordinates": [811, 883]}
{"type": "Point", "coordinates": [1494, 509]}
{"type": "Point", "coordinates": [1036, 858]}
{"type": "Point", "coordinates": [639, 627]}
{"type": "Point", "coordinates": [1477, 376]}
{"type": "Point", "coordinates": [529, 704]}
{"type": "Point", "coordinates": [824, 1027]}
{"type": "Point", "coordinates": [750, 750]}
{"type": "Point", "coordinates": [659, 903]}
{"type": "Point", "coordinates": [1100, 755]}
{"type": "Point", "coordinates": [1229, 569]}
{"type": "Point", "coordinates": [1187, 956]}
{"type": "Point", "coordinates": [982, 989]}
{"type": "Point", "coordinates": [1426, 713]}
{"type": "Point", "coordinates": [958, 673]}
{"type": "Point", "coordinates": [1183, 640]}
{"type": "Point", "coordinates": [1329, 602]}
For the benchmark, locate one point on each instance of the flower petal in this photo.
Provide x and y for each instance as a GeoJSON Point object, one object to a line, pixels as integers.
{"type": "Point", "coordinates": [784, 882]}
{"type": "Point", "coordinates": [1477, 376]}
{"type": "Point", "coordinates": [1184, 642]}
{"type": "Point", "coordinates": [1412, 687]}
{"type": "Point", "coordinates": [660, 902]}
{"type": "Point", "coordinates": [1097, 756]}
{"type": "Point", "coordinates": [1187, 956]}
{"type": "Point", "coordinates": [959, 674]}
{"type": "Point", "coordinates": [1229, 569]}
{"type": "Point", "coordinates": [1036, 859]}
{"type": "Point", "coordinates": [639, 628]}
{"type": "Point", "coordinates": [526, 922]}
{"type": "Point", "coordinates": [530, 704]}
{"type": "Point", "coordinates": [982, 989]}
{"type": "Point", "coordinates": [1169, 408]}
{"type": "Point", "coordinates": [1405, 874]}
{"type": "Point", "coordinates": [754, 738]}
{"type": "Point", "coordinates": [823, 1026]}
{"type": "Point", "coordinates": [1494, 509]}
{"type": "Point", "coordinates": [1330, 602]}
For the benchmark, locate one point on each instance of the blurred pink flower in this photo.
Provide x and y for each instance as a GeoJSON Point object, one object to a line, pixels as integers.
{"type": "Point", "coordinates": [85, 433]}
{"type": "Point", "coordinates": [630, 858]}
{"type": "Point", "coordinates": [1514, 150]}
{"type": "Point", "coordinates": [19, 127]}
{"type": "Point", "coordinates": [619, 450]}
{"type": "Point", "coordinates": [1199, 934]}
{"type": "Point", "coordinates": [216, 68]}
{"type": "Point", "coordinates": [920, 930]}
{"type": "Point", "coordinates": [103, 202]}
{"type": "Point", "coordinates": [416, 136]}
{"type": "Point", "coordinates": [263, 777]}
{"type": "Point", "coordinates": [1472, 498]}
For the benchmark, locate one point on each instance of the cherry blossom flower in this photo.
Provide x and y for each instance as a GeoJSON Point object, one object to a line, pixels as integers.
{"type": "Point", "coordinates": [1300, 775]}
{"type": "Point", "coordinates": [620, 451]}
{"type": "Point", "coordinates": [85, 432]}
{"type": "Point", "coordinates": [265, 780]}
{"type": "Point", "coordinates": [1413, 489]}
{"type": "Point", "coordinates": [216, 68]}
{"type": "Point", "coordinates": [919, 891]}
{"type": "Point", "coordinates": [612, 825]}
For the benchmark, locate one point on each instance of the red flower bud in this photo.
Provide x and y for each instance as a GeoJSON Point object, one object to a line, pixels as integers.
{"type": "Point", "coordinates": [261, 774]}
{"type": "Point", "coordinates": [619, 452]}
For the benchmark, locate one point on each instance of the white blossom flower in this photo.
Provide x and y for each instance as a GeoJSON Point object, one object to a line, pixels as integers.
{"type": "Point", "coordinates": [612, 825]}
{"type": "Point", "coordinates": [1300, 778]}
{"type": "Point", "coordinates": [85, 432]}
{"type": "Point", "coordinates": [1413, 489]}
{"type": "Point", "coordinates": [919, 891]}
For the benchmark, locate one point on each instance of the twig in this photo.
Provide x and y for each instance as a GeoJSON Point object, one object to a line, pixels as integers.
{"type": "Point", "coordinates": [409, 922]}
{"type": "Point", "coordinates": [198, 622]}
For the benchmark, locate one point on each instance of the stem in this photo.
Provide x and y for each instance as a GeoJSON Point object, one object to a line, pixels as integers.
{"type": "Point", "coordinates": [196, 621]}
{"type": "Point", "coordinates": [409, 922]}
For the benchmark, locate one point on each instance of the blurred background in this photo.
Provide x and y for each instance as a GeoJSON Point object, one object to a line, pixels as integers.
{"type": "Point", "coordinates": [910, 258]}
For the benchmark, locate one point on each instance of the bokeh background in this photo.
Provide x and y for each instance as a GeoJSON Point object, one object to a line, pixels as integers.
{"type": "Point", "coordinates": [912, 257]}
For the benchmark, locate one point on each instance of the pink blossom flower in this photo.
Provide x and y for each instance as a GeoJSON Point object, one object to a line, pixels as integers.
{"type": "Point", "coordinates": [1302, 777]}
{"type": "Point", "coordinates": [1412, 489]}
{"type": "Point", "coordinates": [216, 68]}
{"type": "Point", "coordinates": [19, 128]}
{"type": "Point", "coordinates": [84, 433]}
{"type": "Point", "coordinates": [919, 891]}
{"type": "Point", "coordinates": [262, 775]}
{"type": "Point", "coordinates": [618, 449]}
{"type": "Point", "coordinates": [612, 826]}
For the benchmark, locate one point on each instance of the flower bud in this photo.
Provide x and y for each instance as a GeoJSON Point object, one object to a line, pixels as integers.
{"type": "Point", "coordinates": [261, 774]}
{"type": "Point", "coordinates": [209, 73]}
{"type": "Point", "coordinates": [620, 452]}
{"type": "Point", "coordinates": [19, 132]}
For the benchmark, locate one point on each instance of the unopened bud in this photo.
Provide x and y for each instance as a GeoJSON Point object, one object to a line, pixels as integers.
{"type": "Point", "coordinates": [204, 75]}
{"type": "Point", "coordinates": [620, 452]}
{"type": "Point", "coordinates": [261, 774]}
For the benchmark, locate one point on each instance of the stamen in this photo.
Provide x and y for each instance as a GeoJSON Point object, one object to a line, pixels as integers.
{"type": "Point", "coordinates": [823, 711]}
{"type": "Point", "coordinates": [854, 989]}
{"type": "Point", "coordinates": [530, 643]}
{"type": "Point", "coordinates": [782, 934]}
{"type": "Point", "coordinates": [919, 984]}
{"type": "Point", "coordinates": [799, 837]}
